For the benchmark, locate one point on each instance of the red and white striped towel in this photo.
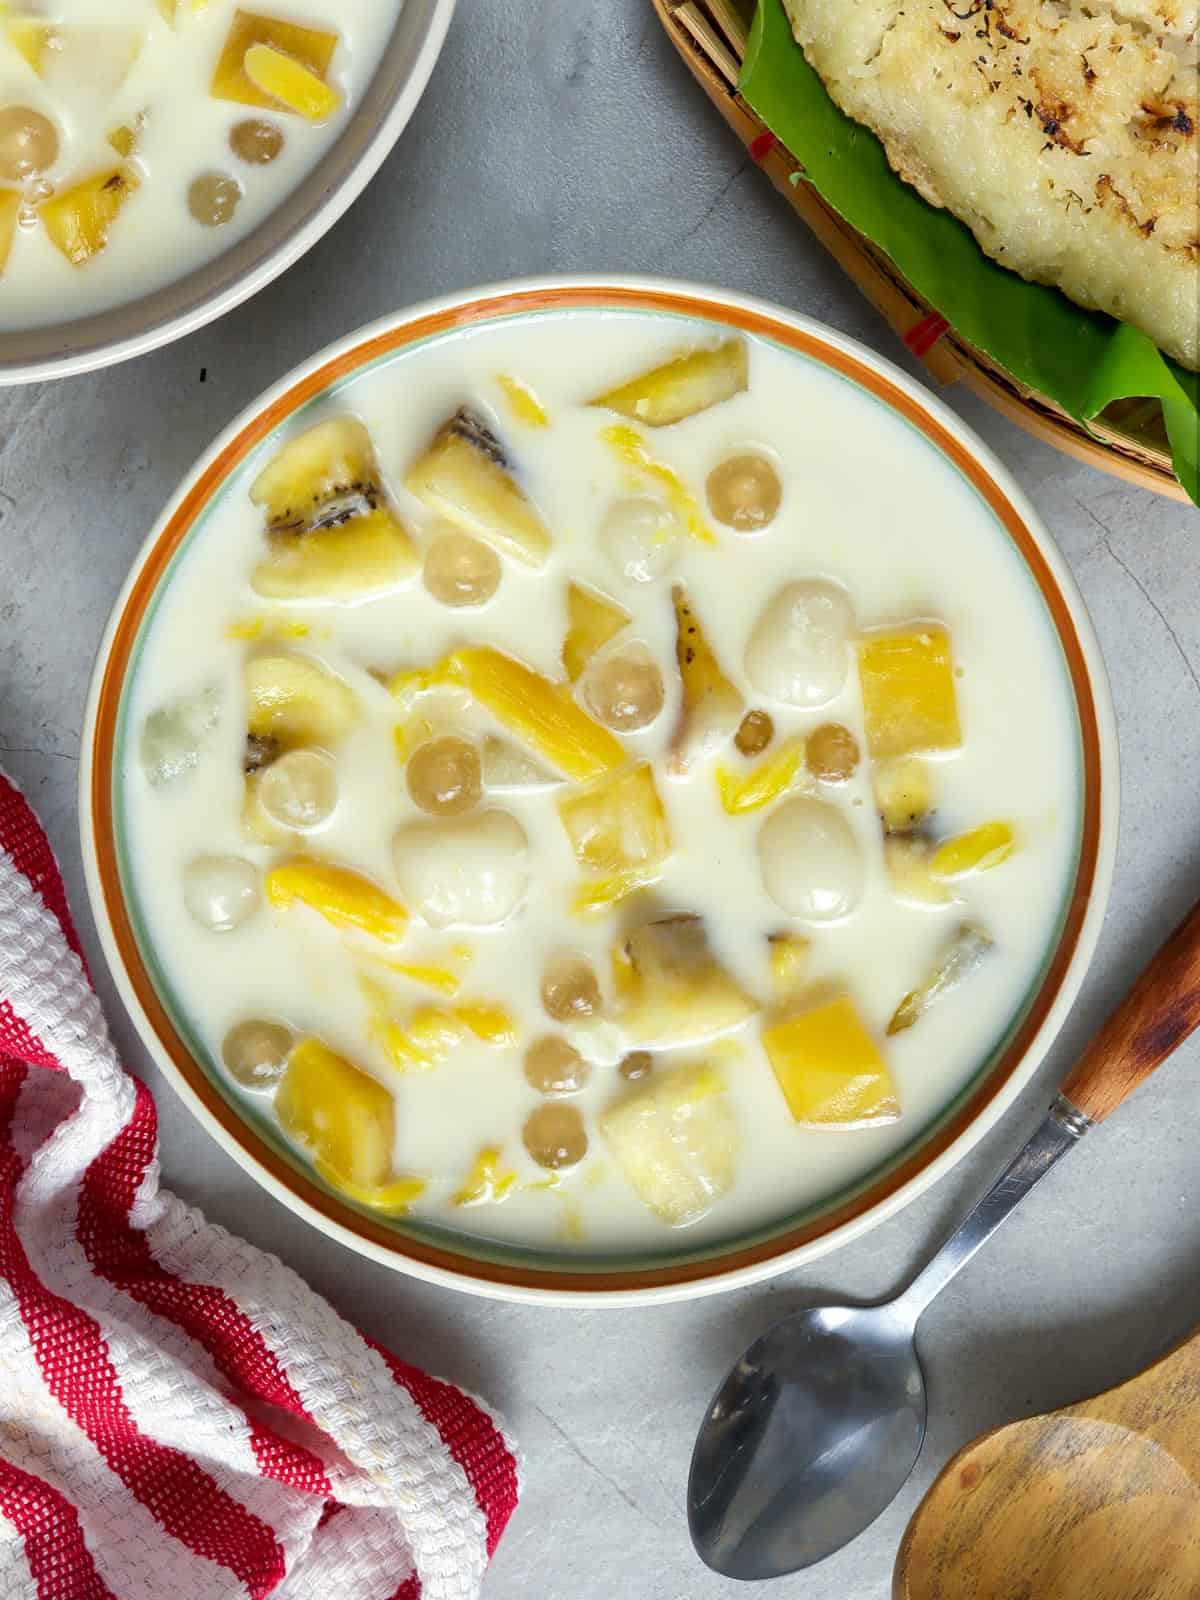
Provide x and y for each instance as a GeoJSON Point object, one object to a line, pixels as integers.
{"type": "Point", "coordinates": [180, 1415]}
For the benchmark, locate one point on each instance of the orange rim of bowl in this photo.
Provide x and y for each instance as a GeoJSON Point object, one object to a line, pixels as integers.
{"type": "Point", "coordinates": [618, 1280]}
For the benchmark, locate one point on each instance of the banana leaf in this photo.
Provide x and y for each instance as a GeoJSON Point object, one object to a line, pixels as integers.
{"type": "Point", "coordinates": [1081, 359]}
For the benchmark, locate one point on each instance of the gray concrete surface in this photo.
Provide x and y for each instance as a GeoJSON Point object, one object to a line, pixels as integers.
{"type": "Point", "coordinates": [565, 135]}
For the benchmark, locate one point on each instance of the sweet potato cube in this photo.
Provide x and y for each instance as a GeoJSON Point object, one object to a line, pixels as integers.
{"type": "Point", "coordinates": [831, 1073]}
{"type": "Point", "coordinates": [909, 702]}
{"type": "Point", "coordinates": [617, 824]}
{"type": "Point", "coordinates": [339, 1115]}
{"type": "Point", "coordinates": [311, 47]}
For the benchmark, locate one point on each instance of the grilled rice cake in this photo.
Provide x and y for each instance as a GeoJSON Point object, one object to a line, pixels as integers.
{"type": "Point", "coordinates": [1064, 136]}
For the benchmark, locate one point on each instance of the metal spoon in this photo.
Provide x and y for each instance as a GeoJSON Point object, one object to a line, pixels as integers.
{"type": "Point", "coordinates": [815, 1429]}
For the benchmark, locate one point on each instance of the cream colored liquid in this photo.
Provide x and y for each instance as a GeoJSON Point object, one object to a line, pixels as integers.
{"type": "Point", "coordinates": [184, 132]}
{"type": "Point", "coordinates": [866, 503]}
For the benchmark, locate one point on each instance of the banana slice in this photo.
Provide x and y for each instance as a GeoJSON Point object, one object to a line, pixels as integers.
{"type": "Point", "coordinates": [674, 991]}
{"type": "Point", "coordinates": [712, 706]}
{"type": "Point", "coordinates": [331, 534]}
{"type": "Point", "coordinates": [467, 477]}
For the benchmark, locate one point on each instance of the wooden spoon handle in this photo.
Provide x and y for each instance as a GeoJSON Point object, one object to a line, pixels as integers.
{"type": "Point", "coordinates": [1154, 1018]}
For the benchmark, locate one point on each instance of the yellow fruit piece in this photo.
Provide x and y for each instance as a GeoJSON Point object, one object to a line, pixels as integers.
{"type": "Point", "coordinates": [10, 205]}
{"type": "Point", "coordinates": [618, 824]}
{"type": "Point", "coordinates": [408, 685]}
{"type": "Point", "coordinates": [339, 1115]}
{"type": "Point", "coordinates": [522, 402]}
{"type": "Point", "coordinates": [489, 1022]}
{"type": "Point", "coordinates": [28, 39]}
{"type": "Point", "coordinates": [290, 83]}
{"type": "Point", "coordinates": [424, 1038]}
{"type": "Point", "coordinates": [79, 218]}
{"type": "Point", "coordinates": [676, 1142]}
{"type": "Point", "coordinates": [903, 793]}
{"type": "Point", "coordinates": [984, 847]}
{"type": "Point", "coordinates": [309, 47]}
{"type": "Point", "coordinates": [344, 898]}
{"type": "Point", "coordinates": [251, 628]}
{"type": "Point", "coordinates": [432, 1028]}
{"type": "Point", "coordinates": [321, 475]}
{"type": "Point", "coordinates": [466, 476]}
{"type": "Point", "coordinates": [592, 620]}
{"type": "Point", "coordinates": [682, 387]}
{"type": "Point", "coordinates": [776, 775]}
{"type": "Point", "coordinates": [293, 700]}
{"type": "Point", "coordinates": [630, 448]}
{"type": "Point", "coordinates": [830, 1071]}
{"type": "Point", "coordinates": [439, 978]}
{"type": "Point", "coordinates": [907, 677]}
{"type": "Point", "coordinates": [601, 894]}
{"type": "Point", "coordinates": [394, 1199]}
{"type": "Point", "coordinates": [788, 956]}
{"type": "Point", "coordinates": [418, 1044]}
{"type": "Point", "coordinates": [331, 534]}
{"type": "Point", "coordinates": [539, 713]}
{"type": "Point", "coordinates": [712, 707]}
{"type": "Point", "coordinates": [908, 859]}
{"type": "Point", "coordinates": [485, 1184]}
{"type": "Point", "coordinates": [349, 561]}
{"type": "Point", "coordinates": [675, 991]}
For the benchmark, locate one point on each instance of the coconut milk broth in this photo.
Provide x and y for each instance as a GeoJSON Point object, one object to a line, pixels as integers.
{"type": "Point", "coordinates": [865, 503]}
{"type": "Point", "coordinates": [184, 133]}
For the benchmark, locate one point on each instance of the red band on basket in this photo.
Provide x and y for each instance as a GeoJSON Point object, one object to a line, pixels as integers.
{"type": "Point", "coordinates": [761, 145]}
{"type": "Point", "coordinates": [923, 335]}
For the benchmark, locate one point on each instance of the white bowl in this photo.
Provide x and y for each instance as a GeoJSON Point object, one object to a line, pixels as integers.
{"type": "Point", "coordinates": [179, 308]}
{"type": "Point", "coordinates": [508, 1272]}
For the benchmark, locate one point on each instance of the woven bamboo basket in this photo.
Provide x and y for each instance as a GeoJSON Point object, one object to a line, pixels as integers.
{"type": "Point", "coordinates": [1127, 440]}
